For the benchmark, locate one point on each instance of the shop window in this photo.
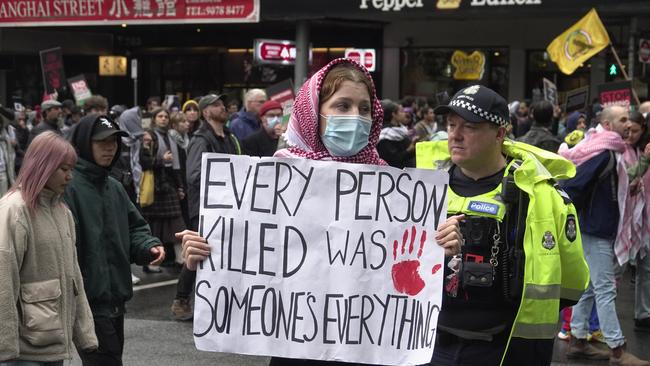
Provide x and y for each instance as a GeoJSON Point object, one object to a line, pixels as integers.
{"type": "Point", "coordinates": [539, 66]}
{"type": "Point", "coordinates": [427, 72]}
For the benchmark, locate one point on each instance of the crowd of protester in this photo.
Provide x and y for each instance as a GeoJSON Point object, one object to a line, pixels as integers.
{"type": "Point", "coordinates": [153, 155]}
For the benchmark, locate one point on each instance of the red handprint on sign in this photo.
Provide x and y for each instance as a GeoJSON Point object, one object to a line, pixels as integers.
{"type": "Point", "coordinates": [406, 276]}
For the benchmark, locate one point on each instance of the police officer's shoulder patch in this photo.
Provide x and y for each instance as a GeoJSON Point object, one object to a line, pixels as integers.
{"type": "Point", "coordinates": [548, 241]}
{"type": "Point", "coordinates": [570, 228]}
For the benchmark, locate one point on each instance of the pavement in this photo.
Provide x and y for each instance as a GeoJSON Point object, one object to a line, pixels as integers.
{"type": "Point", "coordinates": [153, 338]}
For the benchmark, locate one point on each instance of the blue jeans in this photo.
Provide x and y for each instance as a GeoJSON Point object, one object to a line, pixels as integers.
{"type": "Point", "coordinates": [599, 254]}
{"type": "Point", "coordinates": [642, 289]}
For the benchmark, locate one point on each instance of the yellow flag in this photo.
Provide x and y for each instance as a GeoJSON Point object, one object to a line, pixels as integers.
{"type": "Point", "coordinates": [579, 43]}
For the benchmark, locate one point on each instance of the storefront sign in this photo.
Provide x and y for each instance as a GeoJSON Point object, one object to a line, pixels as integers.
{"type": "Point", "coordinates": [468, 67]}
{"type": "Point", "coordinates": [617, 93]}
{"type": "Point", "coordinates": [275, 51]}
{"type": "Point", "coordinates": [394, 5]}
{"type": "Point", "coordinates": [448, 4]}
{"type": "Point", "coordinates": [79, 88]}
{"type": "Point", "coordinates": [105, 12]}
{"type": "Point", "coordinates": [287, 238]}
{"type": "Point", "coordinates": [644, 50]}
{"type": "Point", "coordinates": [112, 66]}
{"type": "Point", "coordinates": [52, 67]}
{"type": "Point", "coordinates": [366, 57]}
{"type": "Point", "coordinates": [504, 2]}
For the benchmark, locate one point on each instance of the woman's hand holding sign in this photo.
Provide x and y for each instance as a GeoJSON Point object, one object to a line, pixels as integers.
{"type": "Point", "coordinates": [448, 235]}
{"type": "Point", "coordinates": [195, 248]}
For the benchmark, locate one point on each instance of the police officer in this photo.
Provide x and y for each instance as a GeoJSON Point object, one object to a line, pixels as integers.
{"type": "Point", "coordinates": [522, 252]}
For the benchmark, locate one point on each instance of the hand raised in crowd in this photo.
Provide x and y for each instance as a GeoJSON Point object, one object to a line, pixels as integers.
{"type": "Point", "coordinates": [167, 157]}
{"type": "Point", "coordinates": [159, 253]}
{"type": "Point", "coordinates": [181, 194]}
{"type": "Point", "coordinates": [449, 236]}
{"type": "Point", "coordinates": [195, 248]}
{"type": "Point", "coordinates": [646, 151]}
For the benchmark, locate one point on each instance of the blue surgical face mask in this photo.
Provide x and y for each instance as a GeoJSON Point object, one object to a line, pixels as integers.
{"type": "Point", "coordinates": [346, 135]}
{"type": "Point", "coordinates": [273, 121]}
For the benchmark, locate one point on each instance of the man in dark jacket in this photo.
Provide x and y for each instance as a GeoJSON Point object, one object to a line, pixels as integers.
{"type": "Point", "coordinates": [52, 112]}
{"type": "Point", "coordinates": [212, 136]}
{"type": "Point", "coordinates": [540, 133]}
{"type": "Point", "coordinates": [264, 141]}
{"type": "Point", "coordinates": [111, 234]}
{"type": "Point", "coordinates": [594, 190]}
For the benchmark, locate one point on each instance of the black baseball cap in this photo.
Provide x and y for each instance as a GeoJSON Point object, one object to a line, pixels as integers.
{"type": "Point", "coordinates": [210, 99]}
{"type": "Point", "coordinates": [103, 128]}
{"type": "Point", "coordinates": [478, 103]}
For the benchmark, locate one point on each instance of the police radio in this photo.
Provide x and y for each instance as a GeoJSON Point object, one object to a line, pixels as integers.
{"type": "Point", "coordinates": [516, 202]}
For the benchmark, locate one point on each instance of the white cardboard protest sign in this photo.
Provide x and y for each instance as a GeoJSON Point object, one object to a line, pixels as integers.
{"type": "Point", "coordinates": [319, 260]}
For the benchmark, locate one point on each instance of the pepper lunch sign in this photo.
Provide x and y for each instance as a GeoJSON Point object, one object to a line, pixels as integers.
{"type": "Point", "coordinates": [366, 57]}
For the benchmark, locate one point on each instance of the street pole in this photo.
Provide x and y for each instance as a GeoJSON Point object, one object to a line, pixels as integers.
{"type": "Point", "coordinates": [631, 48]}
{"type": "Point", "coordinates": [134, 76]}
{"type": "Point", "coordinates": [625, 75]}
{"type": "Point", "coordinates": [302, 53]}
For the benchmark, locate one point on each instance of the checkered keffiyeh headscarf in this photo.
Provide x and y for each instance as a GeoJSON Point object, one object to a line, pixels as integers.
{"type": "Point", "coordinates": [303, 133]}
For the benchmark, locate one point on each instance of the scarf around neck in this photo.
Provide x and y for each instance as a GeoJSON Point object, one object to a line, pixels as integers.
{"type": "Point", "coordinates": [183, 140]}
{"type": "Point", "coordinates": [595, 143]}
{"type": "Point", "coordinates": [166, 144]}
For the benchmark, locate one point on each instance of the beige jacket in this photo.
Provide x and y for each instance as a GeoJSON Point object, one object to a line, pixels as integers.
{"type": "Point", "coordinates": [43, 306]}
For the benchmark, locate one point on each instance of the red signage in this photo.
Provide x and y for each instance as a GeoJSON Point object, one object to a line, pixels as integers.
{"type": "Point", "coordinates": [106, 12]}
{"type": "Point", "coordinates": [644, 51]}
{"type": "Point", "coordinates": [617, 93]}
{"type": "Point", "coordinates": [366, 57]}
{"type": "Point", "coordinates": [276, 51]}
{"type": "Point", "coordinates": [52, 67]}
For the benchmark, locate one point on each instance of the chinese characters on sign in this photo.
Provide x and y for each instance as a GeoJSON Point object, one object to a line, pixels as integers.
{"type": "Point", "coordinates": [112, 66]}
{"type": "Point", "coordinates": [104, 12]}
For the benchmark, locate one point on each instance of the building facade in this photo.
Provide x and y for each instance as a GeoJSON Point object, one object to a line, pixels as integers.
{"type": "Point", "coordinates": [423, 47]}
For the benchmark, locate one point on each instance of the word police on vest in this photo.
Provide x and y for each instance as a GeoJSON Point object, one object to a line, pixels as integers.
{"type": "Point", "coordinates": [488, 208]}
{"type": "Point", "coordinates": [395, 5]}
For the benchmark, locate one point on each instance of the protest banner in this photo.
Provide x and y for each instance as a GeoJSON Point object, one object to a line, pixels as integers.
{"type": "Point", "coordinates": [282, 93]}
{"type": "Point", "coordinates": [616, 93]}
{"type": "Point", "coordinates": [80, 88]}
{"type": "Point", "coordinates": [319, 260]}
{"type": "Point", "coordinates": [52, 68]}
{"type": "Point", "coordinates": [550, 91]}
{"type": "Point", "coordinates": [577, 99]}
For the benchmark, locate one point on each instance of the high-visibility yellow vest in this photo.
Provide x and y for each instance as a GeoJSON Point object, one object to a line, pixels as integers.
{"type": "Point", "coordinates": [555, 266]}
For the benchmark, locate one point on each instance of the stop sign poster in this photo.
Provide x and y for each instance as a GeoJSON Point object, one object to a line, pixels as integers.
{"type": "Point", "coordinates": [366, 57]}
{"type": "Point", "coordinates": [617, 93]}
{"type": "Point", "coordinates": [320, 260]}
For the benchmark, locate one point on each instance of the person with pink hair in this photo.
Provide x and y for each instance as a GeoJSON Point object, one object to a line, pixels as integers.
{"type": "Point", "coordinates": [336, 117]}
{"type": "Point", "coordinates": [43, 307]}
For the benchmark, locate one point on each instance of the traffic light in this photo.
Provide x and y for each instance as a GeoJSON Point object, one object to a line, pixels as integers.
{"type": "Point", "coordinates": [613, 70]}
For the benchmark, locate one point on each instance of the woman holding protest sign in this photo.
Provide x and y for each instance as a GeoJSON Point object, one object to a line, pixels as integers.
{"type": "Point", "coordinates": [337, 117]}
